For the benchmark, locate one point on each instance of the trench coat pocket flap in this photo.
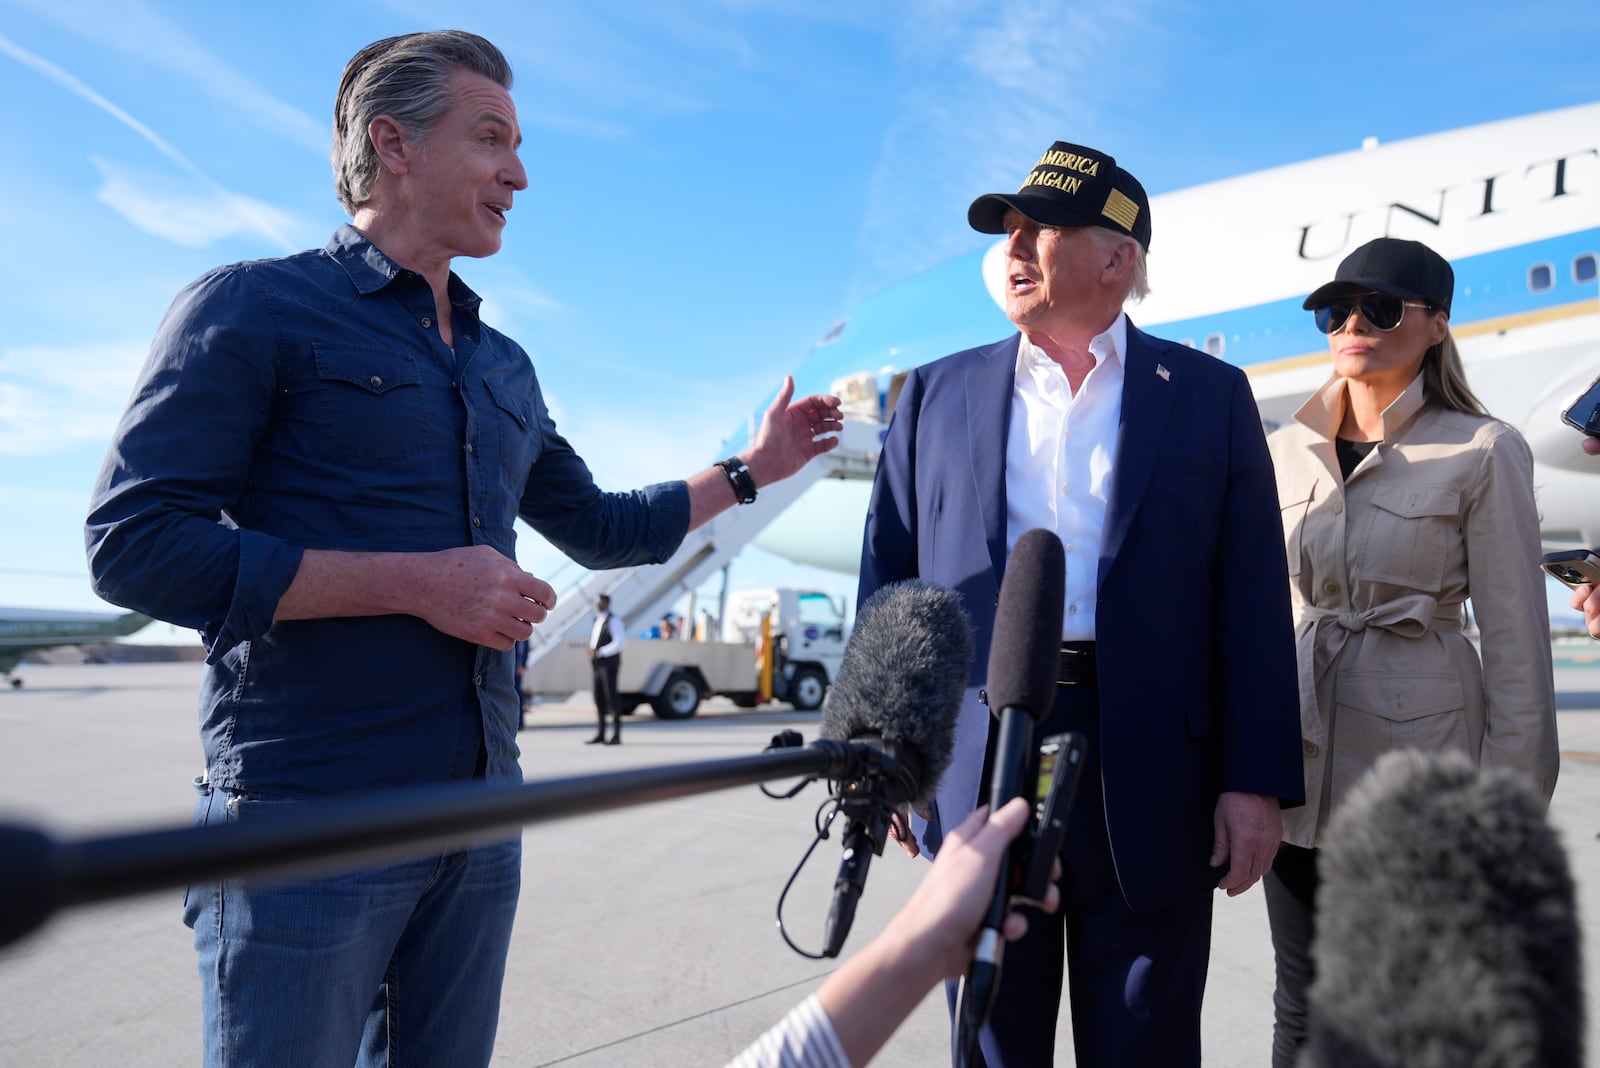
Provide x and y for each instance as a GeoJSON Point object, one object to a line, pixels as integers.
{"type": "Point", "coordinates": [1417, 501]}
{"type": "Point", "coordinates": [1401, 697]}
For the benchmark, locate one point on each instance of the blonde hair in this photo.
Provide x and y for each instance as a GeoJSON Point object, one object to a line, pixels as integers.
{"type": "Point", "coordinates": [1444, 379]}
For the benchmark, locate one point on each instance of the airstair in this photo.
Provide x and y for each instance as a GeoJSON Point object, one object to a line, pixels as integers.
{"type": "Point", "coordinates": [645, 592]}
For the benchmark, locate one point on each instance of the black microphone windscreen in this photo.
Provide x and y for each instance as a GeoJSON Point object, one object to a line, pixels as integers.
{"type": "Point", "coordinates": [903, 675]}
{"type": "Point", "coordinates": [1447, 929]}
{"type": "Point", "coordinates": [1026, 651]}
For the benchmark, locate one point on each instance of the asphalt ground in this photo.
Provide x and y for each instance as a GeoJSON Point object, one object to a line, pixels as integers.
{"type": "Point", "coordinates": [645, 936]}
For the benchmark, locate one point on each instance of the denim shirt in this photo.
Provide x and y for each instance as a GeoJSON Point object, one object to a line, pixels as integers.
{"type": "Point", "coordinates": [309, 402]}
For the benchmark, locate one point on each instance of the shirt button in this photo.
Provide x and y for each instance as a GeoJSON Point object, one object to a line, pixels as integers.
{"type": "Point", "coordinates": [1330, 587]}
{"type": "Point", "coordinates": [1071, 547]}
{"type": "Point", "coordinates": [477, 522]}
{"type": "Point", "coordinates": [469, 448]}
{"type": "Point", "coordinates": [1072, 609]}
{"type": "Point", "coordinates": [426, 322]}
{"type": "Point", "coordinates": [375, 381]}
{"type": "Point", "coordinates": [1065, 489]}
{"type": "Point", "coordinates": [477, 680]}
{"type": "Point", "coordinates": [1338, 506]}
{"type": "Point", "coordinates": [1310, 748]}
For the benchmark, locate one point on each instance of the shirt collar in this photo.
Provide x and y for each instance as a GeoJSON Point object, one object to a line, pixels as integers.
{"type": "Point", "coordinates": [1324, 410]}
{"type": "Point", "coordinates": [370, 270]}
{"type": "Point", "coordinates": [1106, 347]}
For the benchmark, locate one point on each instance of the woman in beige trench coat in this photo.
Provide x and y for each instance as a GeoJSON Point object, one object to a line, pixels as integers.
{"type": "Point", "coordinates": [1401, 497]}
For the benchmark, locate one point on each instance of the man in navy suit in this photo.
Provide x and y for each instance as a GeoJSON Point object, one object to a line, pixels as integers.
{"type": "Point", "coordinates": [1147, 458]}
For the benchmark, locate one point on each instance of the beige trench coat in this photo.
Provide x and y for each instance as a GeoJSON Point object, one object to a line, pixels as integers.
{"type": "Point", "coordinates": [1380, 568]}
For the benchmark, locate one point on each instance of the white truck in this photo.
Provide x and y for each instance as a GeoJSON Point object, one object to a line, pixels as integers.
{"type": "Point", "coordinates": [776, 645]}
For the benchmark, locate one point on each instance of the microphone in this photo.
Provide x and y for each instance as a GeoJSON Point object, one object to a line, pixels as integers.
{"type": "Point", "coordinates": [898, 691]}
{"type": "Point", "coordinates": [1023, 666]}
{"type": "Point", "coordinates": [1447, 931]}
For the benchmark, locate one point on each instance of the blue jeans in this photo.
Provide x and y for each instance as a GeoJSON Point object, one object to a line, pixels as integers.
{"type": "Point", "coordinates": [397, 965]}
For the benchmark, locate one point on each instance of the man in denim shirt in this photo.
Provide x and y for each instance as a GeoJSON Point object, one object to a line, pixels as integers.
{"type": "Point", "coordinates": [319, 471]}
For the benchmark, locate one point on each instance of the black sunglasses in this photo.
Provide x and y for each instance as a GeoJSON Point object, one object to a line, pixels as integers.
{"type": "Point", "coordinates": [1381, 311]}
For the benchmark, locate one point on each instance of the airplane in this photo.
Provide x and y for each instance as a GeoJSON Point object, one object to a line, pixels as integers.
{"type": "Point", "coordinates": [24, 630]}
{"type": "Point", "coordinates": [1514, 205]}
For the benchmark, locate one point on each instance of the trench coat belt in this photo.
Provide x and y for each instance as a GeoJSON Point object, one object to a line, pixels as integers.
{"type": "Point", "coordinates": [1321, 634]}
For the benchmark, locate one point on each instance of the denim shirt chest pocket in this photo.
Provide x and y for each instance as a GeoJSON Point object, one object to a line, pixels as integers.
{"type": "Point", "coordinates": [1411, 528]}
{"type": "Point", "coordinates": [370, 401]}
{"type": "Point", "coordinates": [513, 429]}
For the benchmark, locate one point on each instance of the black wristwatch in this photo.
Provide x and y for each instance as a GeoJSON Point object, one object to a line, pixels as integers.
{"type": "Point", "coordinates": [744, 487]}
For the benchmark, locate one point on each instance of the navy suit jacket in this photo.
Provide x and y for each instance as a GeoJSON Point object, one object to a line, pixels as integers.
{"type": "Point", "coordinates": [1194, 640]}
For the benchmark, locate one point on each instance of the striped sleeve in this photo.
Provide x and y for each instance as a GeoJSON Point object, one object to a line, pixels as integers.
{"type": "Point", "coordinates": [803, 1039]}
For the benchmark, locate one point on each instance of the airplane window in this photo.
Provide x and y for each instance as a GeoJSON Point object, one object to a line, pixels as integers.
{"type": "Point", "coordinates": [1583, 268]}
{"type": "Point", "coordinates": [1214, 344]}
{"type": "Point", "coordinates": [1541, 276]}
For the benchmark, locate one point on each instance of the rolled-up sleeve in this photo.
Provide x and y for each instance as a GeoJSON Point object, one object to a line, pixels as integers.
{"type": "Point", "coordinates": [159, 537]}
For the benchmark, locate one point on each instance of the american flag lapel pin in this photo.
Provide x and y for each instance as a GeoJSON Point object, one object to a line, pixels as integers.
{"type": "Point", "coordinates": [1166, 375]}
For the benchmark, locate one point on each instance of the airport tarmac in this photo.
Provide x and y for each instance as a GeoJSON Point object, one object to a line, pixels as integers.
{"type": "Point", "coordinates": [645, 936]}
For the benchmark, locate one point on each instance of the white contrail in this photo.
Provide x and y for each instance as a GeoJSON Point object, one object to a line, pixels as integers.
{"type": "Point", "coordinates": [70, 82]}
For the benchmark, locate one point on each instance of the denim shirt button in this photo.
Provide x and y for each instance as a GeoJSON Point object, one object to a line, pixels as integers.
{"type": "Point", "coordinates": [476, 521]}
{"type": "Point", "coordinates": [375, 381]}
{"type": "Point", "coordinates": [426, 322]}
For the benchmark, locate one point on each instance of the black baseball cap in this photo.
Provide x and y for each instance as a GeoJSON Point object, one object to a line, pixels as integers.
{"type": "Point", "coordinates": [1409, 270]}
{"type": "Point", "coordinates": [1071, 186]}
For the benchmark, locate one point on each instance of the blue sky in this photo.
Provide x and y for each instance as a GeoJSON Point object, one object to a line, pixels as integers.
{"type": "Point", "coordinates": [713, 182]}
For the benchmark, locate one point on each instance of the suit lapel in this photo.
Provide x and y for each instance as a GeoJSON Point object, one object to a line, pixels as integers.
{"type": "Point", "coordinates": [989, 388]}
{"type": "Point", "coordinates": [1147, 398]}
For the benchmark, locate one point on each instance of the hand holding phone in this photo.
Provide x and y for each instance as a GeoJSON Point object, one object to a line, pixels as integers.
{"type": "Point", "coordinates": [1584, 413]}
{"type": "Point", "coordinates": [1575, 567]}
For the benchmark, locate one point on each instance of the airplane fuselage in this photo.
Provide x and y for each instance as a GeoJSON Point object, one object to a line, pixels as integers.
{"type": "Point", "coordinates": [1514, 205]}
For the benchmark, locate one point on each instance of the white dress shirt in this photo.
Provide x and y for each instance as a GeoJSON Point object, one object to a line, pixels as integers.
{"type": "Point", "coordinates": [606, 639]}
{"type": "Point", "coordinates": [1060, 452]}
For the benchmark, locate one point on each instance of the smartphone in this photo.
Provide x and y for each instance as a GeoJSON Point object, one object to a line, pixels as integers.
{"type": "Point", "coordinates": [1584, 413]}
{"type": "Point", "coordinates": [1060, 767]}
{"type": "Point", "coordinates": [1575, 567]}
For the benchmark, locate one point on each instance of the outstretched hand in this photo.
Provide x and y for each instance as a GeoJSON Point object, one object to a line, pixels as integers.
{"type": "Point", "coordinates": [793, 434]}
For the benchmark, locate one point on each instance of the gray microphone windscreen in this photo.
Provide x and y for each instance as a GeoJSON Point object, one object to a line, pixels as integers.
{"type": "Point", "coordinates": [903, 675]}
{"type": "Point", "coordinates": [1447, 930]}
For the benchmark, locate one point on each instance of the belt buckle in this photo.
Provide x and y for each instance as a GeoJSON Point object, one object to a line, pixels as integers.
{"type": "Point", "coordinates": [1076, 667]}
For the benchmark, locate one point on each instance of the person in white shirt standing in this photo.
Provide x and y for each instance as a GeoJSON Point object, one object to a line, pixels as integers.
{"type": "Point", "coordinates": [605, 651]}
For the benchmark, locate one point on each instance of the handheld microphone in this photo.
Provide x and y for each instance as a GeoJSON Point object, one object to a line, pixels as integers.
{"type": "Point", "coordinates": [899, 691]}
{"type": "Point", "coordinates": [1448, 927]}
{"type": "Point", "coordinates": [1023, 666]}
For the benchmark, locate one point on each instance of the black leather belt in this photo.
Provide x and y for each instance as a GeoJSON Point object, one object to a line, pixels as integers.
{"type": "Point", "coordinates": [1077, 665]}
